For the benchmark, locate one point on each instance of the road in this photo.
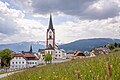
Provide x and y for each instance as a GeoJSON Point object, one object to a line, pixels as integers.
{"type": "Point", "coordinates": [8, 74]}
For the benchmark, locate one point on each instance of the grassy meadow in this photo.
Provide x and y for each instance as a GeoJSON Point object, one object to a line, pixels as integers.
{"type": "Point", "coordinates": [102, 67]}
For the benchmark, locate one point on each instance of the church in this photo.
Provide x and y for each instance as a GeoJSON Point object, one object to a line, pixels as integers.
{"type": "Point", "coordinates": [51, 47]}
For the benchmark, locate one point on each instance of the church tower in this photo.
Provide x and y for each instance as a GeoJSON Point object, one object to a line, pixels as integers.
{"type": "Point", "coordinates": [31, 49]}
{"type": "Point", "coordinates": [50, 35]}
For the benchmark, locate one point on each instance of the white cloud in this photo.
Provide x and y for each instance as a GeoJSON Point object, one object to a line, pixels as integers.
{"type": "Point", "coordinates": [24, 29]}
{"type": "Point", "coordinates": [25, 5]}
{"type": "Point", "coordinates": [33, 28]}
{"type": "Point", "coordinates": [15, 27]}
{"type": "Point", "coordinates": [107, 28]}
{"type": "Point", "coordinates": [9, 12]}
{"type": "Point", "coordinates": [7, 19]}
{"type": "Point", "coordinates": [87, 9]}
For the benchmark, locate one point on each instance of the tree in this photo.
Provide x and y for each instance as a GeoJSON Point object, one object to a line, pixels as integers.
{"type": "Point", "coordinates": [111, 46]}
{"type": "Point", "coordinates": [115, 44]}
{"type": "Point", "coordinates": [5, 57]}
{"type": "Point", "coordinates": [48, 58]}
{"type": "Point", "coordinates": [119, 45]}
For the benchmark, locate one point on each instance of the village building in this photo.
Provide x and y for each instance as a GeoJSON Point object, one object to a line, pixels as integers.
{"type": "Point", "coordinates": [51, 47]}
{"type": "Point", "coordinates": [24, 60]}
{"type": "Point", "coordinates": [78, 54]}
{"type": "Point", "coordinates": [98, 51]}
{"type": "Point", "coordinates": [69, 55]}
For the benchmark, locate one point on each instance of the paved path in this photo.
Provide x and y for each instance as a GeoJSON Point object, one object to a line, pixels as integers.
{"type": "Point", "coordinates": [8, 74]}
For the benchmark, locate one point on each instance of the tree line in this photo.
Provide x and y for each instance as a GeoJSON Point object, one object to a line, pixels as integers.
{"type": "Point", "coordinates": [114, 45]}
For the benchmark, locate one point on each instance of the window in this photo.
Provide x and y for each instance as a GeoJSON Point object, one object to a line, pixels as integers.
{"type": "Point", "coordinates": [50, 37]}
{"type": "Point", "coordinates": [16, 57]}
{"type": "Point", "coordinates": [48, 51]}
{"type": "Point", "coordinates": [16, 62]}
{"type": "Point", "coordinates": [19, 62]}
{"type": "Point", "coordinates": [35, 62]}
{"type": "Point", "coordinates": [23, 62]}
{"type": "Point", "coordinates": [12, 62]}
{"type": "Point", "coordinates": [19, 57]}
{"type": "Point", "coordinates": [59, 55]}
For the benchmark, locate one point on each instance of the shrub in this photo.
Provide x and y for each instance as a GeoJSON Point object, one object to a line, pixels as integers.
{"type": "Point", "coordinates": [48, 58]}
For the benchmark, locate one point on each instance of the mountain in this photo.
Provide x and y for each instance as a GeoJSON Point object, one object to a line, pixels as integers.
{"type": "Point", "coordinates": [24, 46]}
{"type": "Point", "coordinates": [83, 45]}
{"type": "Point", "coordinates": [88, 44]}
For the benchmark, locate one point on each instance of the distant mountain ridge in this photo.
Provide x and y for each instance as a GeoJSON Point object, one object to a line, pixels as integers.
{"type": "Point", "coordinates": [88, 44]}
{"type": "Point", "coordinates": [23, 46]}
{"type": "Point", "coordinates": [83, 45]}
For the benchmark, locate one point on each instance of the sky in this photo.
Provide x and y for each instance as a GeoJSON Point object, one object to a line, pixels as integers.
{"type": "Point", "coordinates": [27, 20]}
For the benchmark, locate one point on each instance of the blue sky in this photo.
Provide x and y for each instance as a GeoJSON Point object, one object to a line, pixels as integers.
{"type": "Point", "coordinates": [27, 20]}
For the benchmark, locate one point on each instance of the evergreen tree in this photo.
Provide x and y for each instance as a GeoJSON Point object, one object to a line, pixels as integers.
{"type": "Point", "coordinates": [115, 44]}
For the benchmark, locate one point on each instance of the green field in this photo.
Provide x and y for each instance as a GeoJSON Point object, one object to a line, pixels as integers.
{"type": "Point", "coordinates": [89, 69]}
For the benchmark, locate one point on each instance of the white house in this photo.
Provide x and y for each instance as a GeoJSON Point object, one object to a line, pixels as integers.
{"type": "Point", "coordinates": [98, 51]}
{"type": "Point", "coordinates": [51, 47]}
{"type": "Point", "coordinates": [23, 60]}
{"type": "Point", "coordinates": [60, 54]}
{"type": "Point", "coordinates": [92, 54]}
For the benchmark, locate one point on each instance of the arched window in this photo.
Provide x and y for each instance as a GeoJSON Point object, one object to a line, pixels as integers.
{"type": "Point", "coordinates": [50, 37]}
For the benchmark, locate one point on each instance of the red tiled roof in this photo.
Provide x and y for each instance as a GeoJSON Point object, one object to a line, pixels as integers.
{"type": "Point", "coordinates": [78, 53]}
{"type": "Point", "coordinates": [18, 55]}
{"type": "Point", "coordinates": [26, 56]}
{"type": "Point", "coordinates": [29, 55]}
